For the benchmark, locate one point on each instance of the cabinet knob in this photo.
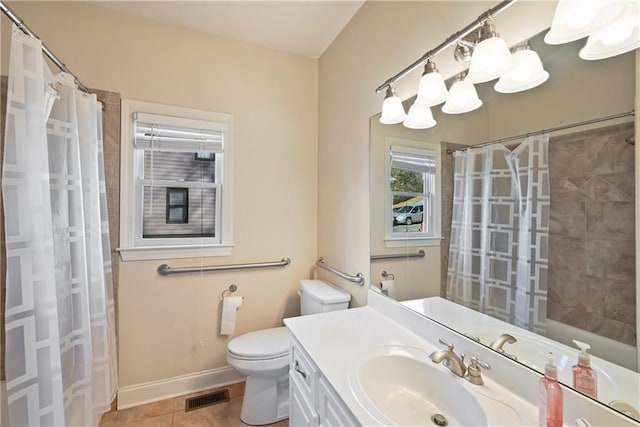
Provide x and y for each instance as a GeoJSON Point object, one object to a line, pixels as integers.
{"type": "Point", "coordinates": [300, 371]}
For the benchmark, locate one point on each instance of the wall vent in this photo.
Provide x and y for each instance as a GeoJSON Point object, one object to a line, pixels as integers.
{"type": "Point", "coordinates": [193, 403]}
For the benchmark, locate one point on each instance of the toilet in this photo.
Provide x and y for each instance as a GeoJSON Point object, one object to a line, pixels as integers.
{"type": "Point", "coordinates": [263, 356]}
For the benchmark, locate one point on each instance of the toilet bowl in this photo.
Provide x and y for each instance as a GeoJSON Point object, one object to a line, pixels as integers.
{"type": "Point", "coordinates": [263, 356]}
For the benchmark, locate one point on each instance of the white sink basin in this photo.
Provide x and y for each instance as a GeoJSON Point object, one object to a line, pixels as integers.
{"type": "Point", "coordinates": [402, 386]}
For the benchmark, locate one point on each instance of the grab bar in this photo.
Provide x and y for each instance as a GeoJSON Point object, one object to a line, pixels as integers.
{"type": "Point", "coordinates": [358, 278]}
{"type": "Point", "coordinates": [419, 254]}
{"type": "Point", "coordinates": [164, 269]}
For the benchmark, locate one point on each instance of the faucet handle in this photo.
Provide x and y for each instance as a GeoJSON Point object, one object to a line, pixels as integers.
{"type": "Point", "coordinates": [474, 371]}
{"type": "Point", "coordinates": [443, 342]}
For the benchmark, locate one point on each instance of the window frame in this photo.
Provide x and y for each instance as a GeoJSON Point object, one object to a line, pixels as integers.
{"type": "Point", "coordinates": [434, 207]}
{"type": "Point", "coordinates": [132, 245]}
{"type": "Point", "coordinates": [184, 191]}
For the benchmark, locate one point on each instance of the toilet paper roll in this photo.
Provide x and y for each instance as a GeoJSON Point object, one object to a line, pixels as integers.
{"type": "Point", "coordinates": [389, 287]}
{"type": "Point", "coordinates": [230, 306]}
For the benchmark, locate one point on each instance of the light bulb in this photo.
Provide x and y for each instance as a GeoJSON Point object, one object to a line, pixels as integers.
{"type": "Point", "coordinates": [491, 57]}
{"type": "Point", "coordinates": [392, 109]}
{"type": "Point", "coordinates": [431, 89]}
{"type": "Point", "coordinates": [462, 98]}
{"type": "Point", "coordinates": [526, 73]}
{"type": "Point", "coordinates": [420, 117]}
{"type": "Point", "coordinates": [617, 32]}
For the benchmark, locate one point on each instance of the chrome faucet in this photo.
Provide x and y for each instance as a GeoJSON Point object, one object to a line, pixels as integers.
{"type": "Point", "coordinates": [450, 359]}
{"type": "Point", "coordinates": [499, 342]}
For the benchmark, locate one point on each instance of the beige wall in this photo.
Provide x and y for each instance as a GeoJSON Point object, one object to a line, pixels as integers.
{"type": "Point", "coordinates": [168, 326]}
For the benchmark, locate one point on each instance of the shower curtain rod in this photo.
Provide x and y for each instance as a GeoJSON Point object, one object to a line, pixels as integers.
{"type": "Point", "coordinates": [555, 129]}
{"type": "Point", "coordinates": [16, 19]}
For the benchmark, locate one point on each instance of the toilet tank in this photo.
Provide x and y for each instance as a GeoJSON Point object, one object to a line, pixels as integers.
{"type": "Point", "coordinates": [317, 296]}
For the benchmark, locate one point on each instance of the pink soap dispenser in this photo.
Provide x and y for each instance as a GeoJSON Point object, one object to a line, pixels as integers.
{"type": "Point", "coordinates": [584, 377]}
{"type": "Point", "coordinates": [550, 411]}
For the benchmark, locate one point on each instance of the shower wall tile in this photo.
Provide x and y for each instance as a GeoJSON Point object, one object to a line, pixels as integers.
{"type": "Point", "coordinates": [596, 188]}
{"type": "Point", "coordinates": [447, 163]}
{"type": "Point", "coordinates": [592, 232]}
{"type": "Point", "coordinates": [567, 218]}
{"type": "Point", "coordinates": [611, 328]}
{"type": "Point", "coordinates": [611, 259]}
{"type": "Point", "coordinates": [567, 158]}
{"type": "Point", "coordinates": [607, 151]}
{"type": "Point", "coordinates": [571, 316]}
{"type": "Point", "coordinates": [567, 254]}
{"type": "Point", "coordinates": [609, 220]}
{"type": "Point", "coordinates": [566, 288]}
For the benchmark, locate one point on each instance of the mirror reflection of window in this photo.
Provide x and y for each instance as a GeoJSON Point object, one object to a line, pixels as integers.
{"type": "Point", "coordinates": [412, 193]}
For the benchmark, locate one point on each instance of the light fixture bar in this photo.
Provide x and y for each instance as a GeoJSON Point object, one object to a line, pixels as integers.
{"type": "Point", "coordinates": [448, 42]}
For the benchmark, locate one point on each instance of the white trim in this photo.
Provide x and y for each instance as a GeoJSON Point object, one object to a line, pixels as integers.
{"type": "Point", "coordinates": [144, 253]}
{"type": "Point", "coordinates": [154, 391]}
{"type": "Point", "coordinates": [420, 238]}
{"type": "Point", "coordinates": [128, 250]}
{"type": "Point", "coordinates": [421, 241]}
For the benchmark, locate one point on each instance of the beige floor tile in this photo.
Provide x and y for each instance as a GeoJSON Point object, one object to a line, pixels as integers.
{"type": "Point", "coordinates": [236, 390]}
{"type": "Point", "coordinates": [144, 411]}
{"type": "Point", "coordinates": [108, 419]}
{"type": "Point", "coordinates": [157, 421]}
{"type": "Point", "coordinates": [213, 415]}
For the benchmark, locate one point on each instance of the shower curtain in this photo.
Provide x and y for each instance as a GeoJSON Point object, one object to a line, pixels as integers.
{"type": "Point", "coordinates": [498, 255]}
{"type": "Point", "coordinates": [60, 354]}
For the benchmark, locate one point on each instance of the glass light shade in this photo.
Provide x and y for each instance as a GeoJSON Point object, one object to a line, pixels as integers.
{"type": "Point", "coordinates": [575, 19]}
{"type": "Point", "coordinates": [491, 58]}
{"type": "Point", "coordinates": [527, 72]}
{"type": "Point", "coordinates": [432, 89]}
{"type": "Point", "coordinates": [419, 117]}
{"type": "Point", "coordinates": [620, 36]}
{"type": "Point", "coordinates": [392, 109]}
{"type": "Point", "coordinates": [462, 98]}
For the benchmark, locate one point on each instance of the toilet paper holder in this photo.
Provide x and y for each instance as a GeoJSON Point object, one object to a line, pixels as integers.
{"type": "Point", "coordinates": [232, 289]}
{"type": "Point", "coordinates": [387, 276]}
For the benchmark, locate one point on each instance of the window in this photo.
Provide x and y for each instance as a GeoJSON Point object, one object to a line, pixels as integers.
{"type": "Point", "coordinates": [177, 206]}
{"type": "Point", "coordinates": [413, 193]}
{"type": "Point", "coordinates": [176, 188]}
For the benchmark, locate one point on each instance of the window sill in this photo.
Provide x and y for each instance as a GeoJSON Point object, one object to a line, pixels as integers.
{"type": "Point", "coordinates": [412, 242]}
{"type": "Point", "coordinates": [173, 252]}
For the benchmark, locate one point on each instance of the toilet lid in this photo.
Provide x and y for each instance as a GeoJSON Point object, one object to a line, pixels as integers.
{"type": "Point", "coordinates": [264, 343]}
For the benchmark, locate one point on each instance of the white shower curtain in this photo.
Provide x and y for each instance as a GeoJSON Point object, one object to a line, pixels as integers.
{"type": "Point", "coordinates": [60, 355]}
{"type": "Point", "coordinates": [499, 233]}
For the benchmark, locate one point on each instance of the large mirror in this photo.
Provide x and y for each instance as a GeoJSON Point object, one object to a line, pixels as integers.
{"type": "Point", "coordinates": [572, 233]}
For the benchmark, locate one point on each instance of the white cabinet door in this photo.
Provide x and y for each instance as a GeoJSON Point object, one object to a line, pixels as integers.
{"type": "Point", "coordinates": [331, 410]}
{"type": "Point", "coordinates": [301, 410]}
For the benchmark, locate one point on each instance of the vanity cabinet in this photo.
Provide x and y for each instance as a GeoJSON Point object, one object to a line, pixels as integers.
{"type": "Point", "coordinates": [312, 400]}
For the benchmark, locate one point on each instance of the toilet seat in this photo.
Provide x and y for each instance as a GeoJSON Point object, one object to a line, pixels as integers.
{"type": "Point", "coordinates": [264, 344]}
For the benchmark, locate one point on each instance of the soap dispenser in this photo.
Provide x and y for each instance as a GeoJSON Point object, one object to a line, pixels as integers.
{"type": "Point", "coordinates": [550, 410]}
{"type": "Point", "coordinates": [584, 377]}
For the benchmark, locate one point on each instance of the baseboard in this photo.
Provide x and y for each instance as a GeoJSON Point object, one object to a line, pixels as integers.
{"type": "Point", "coordinates": [140, 394]}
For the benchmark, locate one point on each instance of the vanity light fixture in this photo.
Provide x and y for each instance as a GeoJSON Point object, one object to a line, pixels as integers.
{"type": "Point", "coordinates": [392, 108]}
{"type": "Point", "coordinates": [575, 19]}
{"type": "Point", "coordinates": [491, 57]}
{"type": "Point", "coordinates": [463, 97]}
{"type": "Point", "coordinates": [420, 117]}
{"type": "Point", "coordinates": [467, 99]}
{"type": "Point", "coordinates": [431, 89]}
{"type": "Point", "coordinates": [527, 71]}
{"type": "Point", "coordinates": [620, 36]}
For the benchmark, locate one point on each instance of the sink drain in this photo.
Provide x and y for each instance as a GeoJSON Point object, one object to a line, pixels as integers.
{"type": "Point", "coordinates": [439, 420]}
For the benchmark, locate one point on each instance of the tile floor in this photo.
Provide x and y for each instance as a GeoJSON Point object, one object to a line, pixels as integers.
{"type": "Point", "coordinates": [170, 413]}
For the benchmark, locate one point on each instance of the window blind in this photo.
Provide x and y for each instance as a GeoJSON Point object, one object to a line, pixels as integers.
{"type": "Point", "coordinates": [415, 162]}
{"type": "Point", "coordinates": [164, 133]}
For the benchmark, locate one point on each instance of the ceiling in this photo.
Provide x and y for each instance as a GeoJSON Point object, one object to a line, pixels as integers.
{"type": "Point", "coordinates": [302, 27]}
